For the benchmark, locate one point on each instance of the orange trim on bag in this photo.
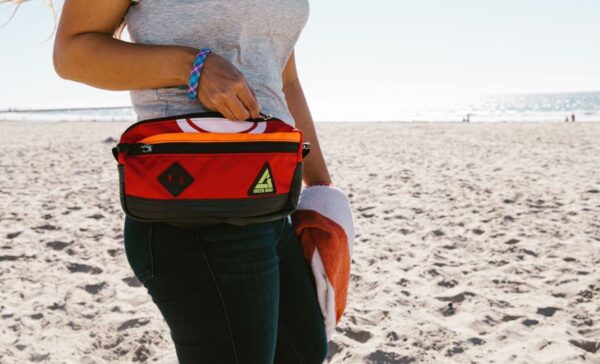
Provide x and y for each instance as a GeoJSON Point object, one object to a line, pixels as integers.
{"type": "Point", "coordinates": [221, 137]}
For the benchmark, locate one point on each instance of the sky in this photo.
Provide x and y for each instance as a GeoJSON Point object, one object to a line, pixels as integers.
{"type": "Point", "coordinates": [360, 59]}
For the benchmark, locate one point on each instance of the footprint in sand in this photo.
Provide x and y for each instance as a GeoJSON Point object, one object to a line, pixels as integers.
{"type": "Point", "coordinates": [478, 231]}
{"type": "Point", "coordinates": [58, 245]}
{"type": "Point", "coordinates": [448, 310]}
{"type": "Point", "coordinates": [114, 252]}
{"type": "Point", "coordinates": [585, 296]}
{"type": "Point", "coordinates": [94, 288]}
{"type": "Point", "coordinates": [580, 320]}
{"type": "Point", "coordinates": [365, 208]}
{"type": "Point", "coordinates": [547, 311]}
{"type": "Point", "coordinates": [392, 336]}
{"type": "Point", "coordinates": [136, 322]}
{"type": "Point", "coordinates": [529, 322]}
{"type": "Point", "coordinates": [36, 358]}
{"type": "Point", "coordinates": [383, 357]}
{"type": "Point", "coordinates": [447, 283]}
{"type": "Point", "coordinates": [74, 326]}
{"type": "Point", "coordinates": [56, 306]}
{"type": "Point", "coordinates": [141, 354]}
{"type": "Point", "coordinates": [476, 341]}
{"type": "Point", "coordinates": [12, 258]}
{"type": "Point", "coordinates": [589, 346]}
{"type": "Point", "coordinates": [438, 232]}
{"type": "Point", "coordinates": [456, 298]}
{"type": "Point", "coordinates": [83, 268]}
{"type": "Point", "coordinates": [357, 335]}
{"type": "Point", "coordinates": [46, 227]}
{"type": "Point", "coordinates": [13, 235]}
{"type": "Point", "coordinates": [454, 350]}
{"type": "Point", "coordinates": [110, 140]}
{"type": "Point", "coordinates": [132, 282]}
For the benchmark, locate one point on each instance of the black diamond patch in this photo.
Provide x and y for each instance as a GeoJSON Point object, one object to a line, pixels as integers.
{"type": "Point", "coordinates": [175, 179]}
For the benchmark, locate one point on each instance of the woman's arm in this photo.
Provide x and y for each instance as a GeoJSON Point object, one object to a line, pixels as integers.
{"type": "Point", "coordinates": [315, 169]}
{"type": "Point", "coordinates": [85, 51]}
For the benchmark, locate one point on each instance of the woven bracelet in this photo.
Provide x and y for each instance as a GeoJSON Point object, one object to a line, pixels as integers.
{"type": "Point", "coordinates": [195, 73]}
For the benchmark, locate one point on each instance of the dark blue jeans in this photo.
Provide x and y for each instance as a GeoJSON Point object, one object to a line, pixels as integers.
{"type": "Point", "coordinates": [230, 294]}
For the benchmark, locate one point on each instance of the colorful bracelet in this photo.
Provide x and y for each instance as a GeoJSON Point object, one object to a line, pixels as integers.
{"type": "Point", "coordinates": [195, 73]}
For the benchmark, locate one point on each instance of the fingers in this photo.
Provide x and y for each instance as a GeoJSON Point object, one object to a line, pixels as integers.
{"type": "Point", "coordinates": [223, 88]}
{"type": "Point", "coordinates": [248, 99]}
{"type": "Point", "coordinates": [226, 111]}
{"type": "Point", "coordinates": [227, 104]}
{"type": "Point", "coordinates": [242, 103]}
{"type": "Point", "coordinates": [238, 110]}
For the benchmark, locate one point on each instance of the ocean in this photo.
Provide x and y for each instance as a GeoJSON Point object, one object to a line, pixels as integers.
{"type": "Point", "coordinates": [550, 107]}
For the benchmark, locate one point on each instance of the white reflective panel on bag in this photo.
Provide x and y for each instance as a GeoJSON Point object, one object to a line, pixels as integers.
{"type": "Point", "coordinates": [220, 125]}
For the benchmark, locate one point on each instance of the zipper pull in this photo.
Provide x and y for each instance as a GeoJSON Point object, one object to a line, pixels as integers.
{"type": "Point", "coordinates": [305, 149]}
{"type": "Point", "coordinates": [265, 117]}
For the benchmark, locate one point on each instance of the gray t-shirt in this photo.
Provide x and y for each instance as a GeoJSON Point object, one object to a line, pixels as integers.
{"type": "Point", "coordinates": [255, 36]}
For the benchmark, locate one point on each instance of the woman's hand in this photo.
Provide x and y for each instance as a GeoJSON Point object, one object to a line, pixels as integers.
{"type": "Point", "coordinates": [224, 88]}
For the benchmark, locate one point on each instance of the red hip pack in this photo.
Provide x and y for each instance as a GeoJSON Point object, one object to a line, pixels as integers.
{"type": "Point", "coordinates": [201, 168]}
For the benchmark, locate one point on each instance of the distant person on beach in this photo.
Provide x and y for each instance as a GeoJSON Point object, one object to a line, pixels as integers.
{"type": "Point", "coordinates": [573, 118]}
{"type": "Point", "coordinates": [229, 294]}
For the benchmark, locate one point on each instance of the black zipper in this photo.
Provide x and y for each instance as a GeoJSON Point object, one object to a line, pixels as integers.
{"type": "Point", "coordinates": [205, 114]}
{"type": "Point", "coordinates": [200, 148]}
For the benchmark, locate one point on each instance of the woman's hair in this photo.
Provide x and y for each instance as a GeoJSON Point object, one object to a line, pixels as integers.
{"type": "Point", "coordinates": [18, 3]}
{"type": "Point", "coordinates": [123, 24]}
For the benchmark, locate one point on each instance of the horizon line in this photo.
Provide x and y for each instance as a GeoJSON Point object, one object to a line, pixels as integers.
{"type": "Point", "coordinates": [19, 110]}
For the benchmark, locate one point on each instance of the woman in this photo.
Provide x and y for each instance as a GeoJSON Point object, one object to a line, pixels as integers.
{"type": "Point", "coordinates": [230, 294]}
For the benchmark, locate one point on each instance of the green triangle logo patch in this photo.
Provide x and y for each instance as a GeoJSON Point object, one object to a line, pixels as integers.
{"type": "Point", "coordinates": [263, 183]}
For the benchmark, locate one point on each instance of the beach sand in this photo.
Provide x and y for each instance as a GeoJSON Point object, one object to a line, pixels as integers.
{"type": "Point", "coordinates": [476, 243]}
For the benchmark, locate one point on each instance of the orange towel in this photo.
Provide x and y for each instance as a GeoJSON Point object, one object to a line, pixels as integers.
{"type": "Point", "coordinates": [324, 224]}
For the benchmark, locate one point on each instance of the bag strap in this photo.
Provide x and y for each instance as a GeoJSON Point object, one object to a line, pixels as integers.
{"type": "Point", "coordinates": [121, 147]}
